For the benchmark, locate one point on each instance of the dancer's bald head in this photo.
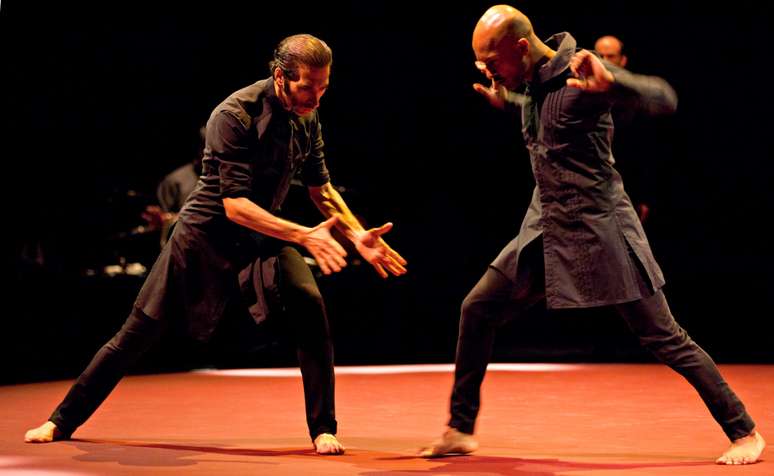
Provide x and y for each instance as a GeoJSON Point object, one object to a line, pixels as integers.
{"type": "Point", "coordinates": [500, 22]}
{"type": "Point", "coordinates": [506, 46]}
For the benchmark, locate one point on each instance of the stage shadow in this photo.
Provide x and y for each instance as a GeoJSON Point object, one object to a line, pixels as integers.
{"type": "Point", "coordinates": [137, 453]}
{"type": "Point", "coordinates": [506, 466]}
{"type": "Point", "coordinates": [367, 462]}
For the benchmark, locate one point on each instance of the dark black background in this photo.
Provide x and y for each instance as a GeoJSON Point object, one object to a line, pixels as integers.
{"type": "Point", "coordinates": [100, 102]}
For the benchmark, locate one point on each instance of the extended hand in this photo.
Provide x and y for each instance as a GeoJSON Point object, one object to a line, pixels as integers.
{"type": "Point", "coordinates": [372, 247]}
{"type": "Point", "coordinates": [326, 251]}
{"type": "Point", "coordinates": [590, 74]}
{"type": "Point", "coordinates": [496, 94]}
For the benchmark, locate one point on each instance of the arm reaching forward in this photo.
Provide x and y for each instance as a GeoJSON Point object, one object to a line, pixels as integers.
{"type": "Point", "coordinates": [318, 240]}
{"type": "Point", "coordinates": [369, 243]}
{"type": "Point", "coordinates": [499, 97]}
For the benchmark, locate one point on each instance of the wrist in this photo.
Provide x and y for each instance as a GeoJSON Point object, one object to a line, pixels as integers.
{"type": "Point", "coordinates": [356, 236]}
{"type": "Point", "coordinates": [297, 234]}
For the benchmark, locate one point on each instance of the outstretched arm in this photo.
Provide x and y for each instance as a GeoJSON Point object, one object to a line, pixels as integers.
{"type": "Point", "coordinates": [499, 97]}
{"type": "Point", "coordinates": [654, 95]}
{"type": "Point", "coordinates": [369, 243]}
{"type": "Point", "coordinates": [318, 240]}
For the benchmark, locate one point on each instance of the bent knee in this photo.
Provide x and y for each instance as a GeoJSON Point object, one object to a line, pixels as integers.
{"type": "Point", "coordinates": [669, 346]}
{"type": "Point", "coordinates": [476, 313]}
{"type": "Point", "coordinates": [308, 293]}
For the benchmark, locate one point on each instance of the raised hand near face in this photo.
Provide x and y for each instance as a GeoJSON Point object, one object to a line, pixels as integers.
{"type": "Point", "coordinates": [590, 73]}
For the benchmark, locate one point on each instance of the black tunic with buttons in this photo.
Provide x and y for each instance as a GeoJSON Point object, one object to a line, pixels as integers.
{"type": "Point", "coordinates": [594, 248]}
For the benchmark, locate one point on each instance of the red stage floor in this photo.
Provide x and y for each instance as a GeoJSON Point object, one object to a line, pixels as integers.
{"type": "Point", "coordinates": [536, 420]}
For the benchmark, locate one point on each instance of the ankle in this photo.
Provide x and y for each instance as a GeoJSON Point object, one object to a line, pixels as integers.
{"type": "Point", "coordinates": [457, 430]}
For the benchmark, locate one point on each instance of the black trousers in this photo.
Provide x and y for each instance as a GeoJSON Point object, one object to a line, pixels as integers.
{"type": "Point", "coordinates": [303, 308]}
{"type": "Point", "coordinates": [496, 299]}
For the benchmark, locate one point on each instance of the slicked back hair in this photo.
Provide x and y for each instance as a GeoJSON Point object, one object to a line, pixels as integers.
{"type": "Point", "coordinates": [297, 50]}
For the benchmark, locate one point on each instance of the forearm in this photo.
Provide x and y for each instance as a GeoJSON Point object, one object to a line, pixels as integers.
{"type": "Point", "coordinates": [330, 203]}
{"type": "Point", "coordinates": [246, 213]}
{"type": "Point", "coordinates": [653, 94]}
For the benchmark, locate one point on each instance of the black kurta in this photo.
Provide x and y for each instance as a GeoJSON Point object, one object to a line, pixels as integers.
{"type": "Point", "coordinates": [253, 149]}
{"type": "Point", "coordinates": [594, 248]}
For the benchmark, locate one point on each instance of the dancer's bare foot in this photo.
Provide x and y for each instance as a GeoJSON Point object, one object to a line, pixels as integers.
{"type": "Point", "coordinates": [452, 442]}
{"type": "Point", "coordinates": [327, 444]}
{"type": "Point", "coordinates": [745, 450]}
{"type": "Point", "coordinates": [45, 433]}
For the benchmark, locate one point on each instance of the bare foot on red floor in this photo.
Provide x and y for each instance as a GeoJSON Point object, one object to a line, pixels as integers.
{"type": "Point", "coordinates": [45, 433]}
{"type": "Point", "coordinates": [327, 444]}
{"type": "Point", "coordinates": [745, 450]}
{"type": "Point", "coordinates": [453, 442]}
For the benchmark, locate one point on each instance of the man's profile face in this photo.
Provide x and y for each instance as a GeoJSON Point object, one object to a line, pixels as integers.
{"type": "Point", "coordinates": [501, 62]}
{"type": "Point", "coordinates": [302, 97]}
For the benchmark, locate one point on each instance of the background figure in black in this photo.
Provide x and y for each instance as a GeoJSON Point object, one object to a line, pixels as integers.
{"type": "Point", "coordinates": [173, 191]}
{"type": "Point", "coordinates": [228, 240]}
{"type": "Point", "coordinates": [638, 150]}
{"type": "Point", "coordinates": [610, 49]}
{"type": "Point", "coordinates": [176, 186]}
{"type": "Point", "coordinates": [580, 244]}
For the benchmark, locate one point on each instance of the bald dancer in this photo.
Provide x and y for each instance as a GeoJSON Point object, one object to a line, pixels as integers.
{"type": "Point", "coordinates": [581, 243]}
